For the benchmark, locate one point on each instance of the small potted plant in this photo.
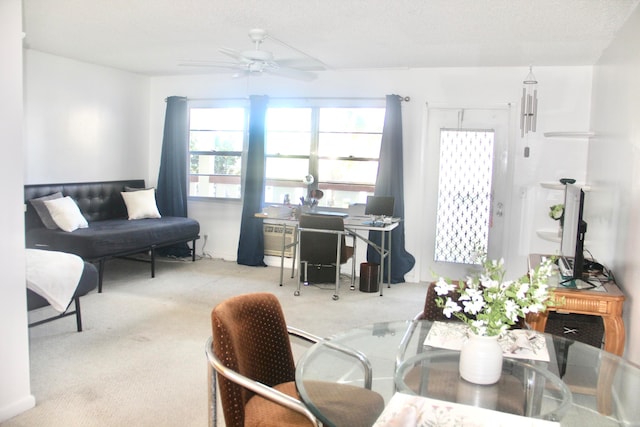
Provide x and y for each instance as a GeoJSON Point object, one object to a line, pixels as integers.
{"type": "Point", "coordinates": [556, 212]}
{"type": "Point", "coordinates": [490, 305]}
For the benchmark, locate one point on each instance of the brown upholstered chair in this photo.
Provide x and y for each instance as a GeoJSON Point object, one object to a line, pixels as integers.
{"type": "Point", "coordinates": [431, 311]}
{"type": "Point", "coordinates": [323, 248]}
{"type": "Point", "coordinates": [251, 353]}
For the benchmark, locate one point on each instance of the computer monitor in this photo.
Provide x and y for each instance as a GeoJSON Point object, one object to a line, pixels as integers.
{"type": "Point", "coordinates": [573, 229]}
{"type": "Point", "coordinates": [379, 205]}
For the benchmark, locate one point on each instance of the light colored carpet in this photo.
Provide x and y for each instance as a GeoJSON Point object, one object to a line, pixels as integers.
{"type": "Point", "coordinates": [140, 360]}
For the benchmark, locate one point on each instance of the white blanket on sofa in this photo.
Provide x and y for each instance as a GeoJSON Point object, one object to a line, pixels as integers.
{"type": "Point", "coordinates": [54, 276]}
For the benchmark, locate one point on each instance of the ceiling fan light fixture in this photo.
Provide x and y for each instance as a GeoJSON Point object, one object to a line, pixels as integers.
{"type": "Point", "coordinates": [256, 67]}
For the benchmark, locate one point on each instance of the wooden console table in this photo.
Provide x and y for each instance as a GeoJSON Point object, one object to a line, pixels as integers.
{"type": "Point", "coordinates": [607, 305]}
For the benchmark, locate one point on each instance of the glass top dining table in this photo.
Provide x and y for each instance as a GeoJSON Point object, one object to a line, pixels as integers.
{"type": "Point", "coordinates": [576, 385]}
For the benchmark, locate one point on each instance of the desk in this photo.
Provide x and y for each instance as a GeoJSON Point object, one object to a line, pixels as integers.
{"type": "Point", "coordinates": [354, 225]}
{"type": "Point", "coordinates": [606, 304]}
{"type": "Point", "coordinates": [286, 224]}
{"type": "Point", "coordinates": [357, 227]}
{"type": "Point", "coordinates": [380, 343]}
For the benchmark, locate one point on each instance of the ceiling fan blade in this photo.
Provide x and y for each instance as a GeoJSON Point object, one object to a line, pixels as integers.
{"type": "Point", "coordinates": [291, 73]}
{"type": "Point", "coordinates": [222, 64]}
{"type": "Point", "coordinates": [304, 64]}
{"type": "Point", "coordinates": [238, 56]}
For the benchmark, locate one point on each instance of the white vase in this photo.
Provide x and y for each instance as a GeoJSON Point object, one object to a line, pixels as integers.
{"type": "Point", "coordinates": [481, 360]}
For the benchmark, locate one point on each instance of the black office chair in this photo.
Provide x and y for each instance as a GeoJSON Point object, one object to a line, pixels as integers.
{"type": "Point", "coordinates": [323, 249]}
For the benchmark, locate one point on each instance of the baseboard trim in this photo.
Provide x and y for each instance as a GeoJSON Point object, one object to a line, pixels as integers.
{"type": "Point", "coordinates": [17, 407]}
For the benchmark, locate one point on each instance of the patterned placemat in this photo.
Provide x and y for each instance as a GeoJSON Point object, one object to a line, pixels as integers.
{"type": "Point", "coordinates": [516, 343]}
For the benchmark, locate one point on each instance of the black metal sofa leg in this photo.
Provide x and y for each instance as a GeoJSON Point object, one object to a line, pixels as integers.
{"type": "Point", "coordinates": [100, 274]}
{"type": "Point", "coordinates": [78, 314]}
{"type": "Point", "coordinates": [153, 261]}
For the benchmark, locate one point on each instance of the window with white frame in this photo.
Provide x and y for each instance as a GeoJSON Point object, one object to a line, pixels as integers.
{"type": "Point", "coordinates": [338, 146]}
{"type": "Point", "coordinates": [216, 141]}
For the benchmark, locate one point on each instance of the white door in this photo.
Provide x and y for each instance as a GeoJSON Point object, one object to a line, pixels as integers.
{"type": "Point", "coordinates": [469, 154]}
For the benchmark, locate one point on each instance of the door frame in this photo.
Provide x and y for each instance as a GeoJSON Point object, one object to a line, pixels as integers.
{"type": "Point", "coordinates": [429, 178]}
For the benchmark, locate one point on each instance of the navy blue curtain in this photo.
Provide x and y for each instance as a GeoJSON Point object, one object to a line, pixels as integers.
{"type": "Point", "coordinates": [389, 182]}
{"type": "Point", "coordinates": [251, 243]}
{"type": "Point", "coordinates": [171, 193]}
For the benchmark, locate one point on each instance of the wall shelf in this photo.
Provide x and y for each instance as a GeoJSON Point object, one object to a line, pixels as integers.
{"type": "Point", "coordinates": [549, 235]}
{"type": "Point", "coordinates": [552, 185]}
{"type": "Point", "coordinates": [559, 186]}
{"type": "Point", "coordinates": [569, 134]}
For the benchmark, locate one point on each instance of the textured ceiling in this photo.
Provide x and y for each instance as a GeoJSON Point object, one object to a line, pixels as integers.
{"type": "Point", "coordinates": [154, 36]}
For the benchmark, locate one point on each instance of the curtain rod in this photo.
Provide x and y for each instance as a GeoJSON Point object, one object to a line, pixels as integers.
{"type": "Point", "coordinates": [347, 98]}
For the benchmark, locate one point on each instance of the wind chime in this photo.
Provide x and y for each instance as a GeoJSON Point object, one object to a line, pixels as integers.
{"type": "Point", "coordinates": [529, 104]}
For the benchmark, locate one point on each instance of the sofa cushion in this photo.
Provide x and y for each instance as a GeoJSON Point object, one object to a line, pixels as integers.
{"type": "Point", "coordinates": [141, 204]}
{"type": "Point", "coordinates": [66, 214]}
{"type": "Point", "coordinates": [115, 237]}
{"type": "Point", "coordinates": [97, 200]}
{"type": "Point", "coordinates": [43, 212]}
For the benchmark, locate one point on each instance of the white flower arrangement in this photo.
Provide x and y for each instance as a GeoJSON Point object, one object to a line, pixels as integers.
{"type": "Point", "coordinates": [489, 304]}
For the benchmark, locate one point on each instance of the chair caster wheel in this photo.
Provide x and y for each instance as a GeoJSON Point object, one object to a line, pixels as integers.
{"type": "Point", "coordinates": [296, 293]}
{"type": "Point", "coordinates": [335, 297]}
{"type": "Point", "coordinates": [353, 288]}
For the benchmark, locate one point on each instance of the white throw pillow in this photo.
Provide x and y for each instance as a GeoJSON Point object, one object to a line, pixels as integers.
{"type": "Point", "coordinates": [141, 204]}
{"type": "Point", "coordinates": [66, 214]}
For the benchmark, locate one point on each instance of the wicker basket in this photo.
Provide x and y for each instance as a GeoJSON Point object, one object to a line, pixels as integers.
{"type": "Point", "coordinates": [578, 327]}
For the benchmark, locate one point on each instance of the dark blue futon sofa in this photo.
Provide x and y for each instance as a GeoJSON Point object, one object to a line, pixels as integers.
{"type": "Point", "coordinates": [110, 233]}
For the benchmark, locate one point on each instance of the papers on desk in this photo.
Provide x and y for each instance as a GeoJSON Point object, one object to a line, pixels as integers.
{"type": "Point", "coordinates": [517, 343]}
{"type": "Point", "coordinates": [406, 410]}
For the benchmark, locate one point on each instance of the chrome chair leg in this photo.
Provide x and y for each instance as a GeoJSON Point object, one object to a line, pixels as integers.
{"type": "Point", "coordinates": [306, 277]}
{"type": "Point", "coordinates": [353, 266]}
{"type": "Point", "coordinates": [213, 401]}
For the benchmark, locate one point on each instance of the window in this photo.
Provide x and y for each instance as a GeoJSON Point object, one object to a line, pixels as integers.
{"type": "Point", "coordinates": [464, 194]}
{"type": "Point", "coordinates": [216, 140]}
{"type": "Point", "coordinates": [338, 146]}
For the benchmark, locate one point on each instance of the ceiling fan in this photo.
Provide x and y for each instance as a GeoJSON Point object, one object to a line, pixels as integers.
{"type": "Point", "coordinates": [258, 61]}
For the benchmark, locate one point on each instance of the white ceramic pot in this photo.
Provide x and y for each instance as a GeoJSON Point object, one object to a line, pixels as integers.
{"type": "Point", "coordinates": [481, 360]}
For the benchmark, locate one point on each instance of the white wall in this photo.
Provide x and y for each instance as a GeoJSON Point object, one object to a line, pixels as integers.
{"type": "Point", "coordinates": [96, 115]}
{"type": "Point", "coordinates": [614, 170]}
{"type": "Point", "coordinates": [80, 115]}
{"type": "Point", "coordinates": [15, 391]}
{"type": "Point", "coordinates": [83, 122]}
{"type": "Point", "coordinates": [564, 105]}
